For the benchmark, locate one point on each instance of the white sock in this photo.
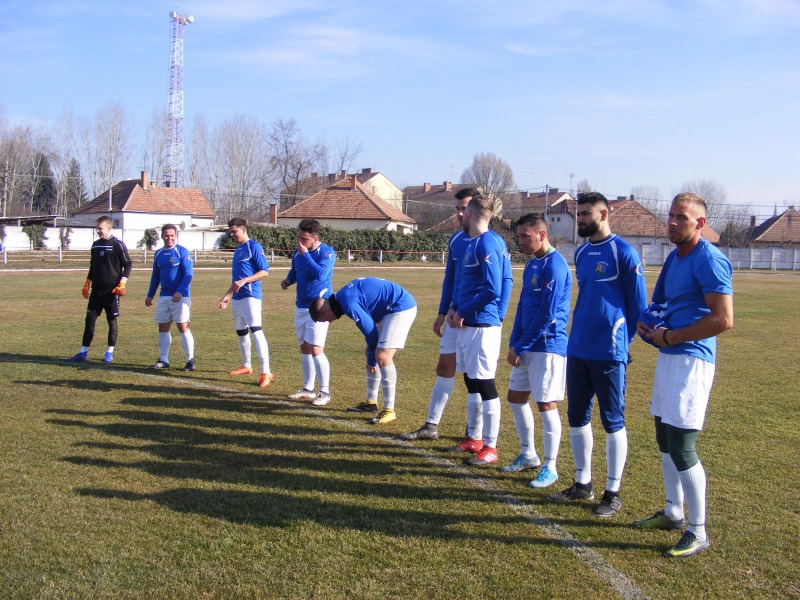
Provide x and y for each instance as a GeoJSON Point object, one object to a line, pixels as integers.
{"type": "Point", "coordinates": [244, 349]}
{"type": "Point", "coordinates": [307, 364]}
{"type": "Point", "coordinates": [440, 394]}
{"type": "Point", "coordinates": [84, 348]}
{"type": "Point", "coordinates": [491, 421]}
{"type": "Point", "coordinates": [373, 385]}
{"type": "Point", "coordinates": [388, 385]}
{"type": "Point", "coordinates": [616, 455]}
{"type": "Point", "coordinates": [187, 341]}
{"type": "Point", "coordinates": [523, 419]}
{"type": "Point", "coordinates": [164, 343]}
{"type": "Point", "coordinates": [582, 442]}
{"type": "Point", "coordinates": [323, 369]}
{"type": "Point", "coordinates": [262, 348]}
{"type": "Point", "coordinates": [551, 434]}
{"type": "Point", "coordinates": [693, 481]}
{"type": "Point", "coordinates": [474, 416]}
{"type": "Point", "coordinates": [673, 488]}
{"type": "Point", "coordinates": [110, 349]}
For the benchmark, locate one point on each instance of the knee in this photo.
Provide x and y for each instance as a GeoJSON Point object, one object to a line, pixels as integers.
{"type": "Point", "coordinates": [242, 332]}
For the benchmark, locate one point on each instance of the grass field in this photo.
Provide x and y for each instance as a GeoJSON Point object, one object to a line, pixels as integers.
{"type": "Point", "coordinates": [119, 481]}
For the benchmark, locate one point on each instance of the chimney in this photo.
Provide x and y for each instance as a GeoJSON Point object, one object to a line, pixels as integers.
{"type": "Point", "coordinates": [331, 177]}
{"type": "Point", "coordinates": [447, 186]}
{"type": "Point", "coordinates": [344, 173]}
{"type": "Point", "coordinates": [273, 213]}
{"type": "Point", "coordinates": [353, 180]}
{"type": "Point", "coordinates": [144, 180]}
{"type": "Point", "coordinates": [426, 187]}
{"type": "Point", "coordinates": [366, 171]}
{"type": "Point", "coordinates": [752, 221]}
{"type": "Point", "coordinates": [314, 175]}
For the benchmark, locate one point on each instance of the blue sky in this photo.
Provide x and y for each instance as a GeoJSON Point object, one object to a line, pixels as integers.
{"type": "Point", "coordinates": [622, 93]}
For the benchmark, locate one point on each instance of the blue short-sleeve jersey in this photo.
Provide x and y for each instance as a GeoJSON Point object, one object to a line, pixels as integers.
{"type": "Point", "coordinates": [705, 270]}
{"type": "Point", "coordinates": [312, 272]}
{"type": "Point", "coordinates": [485, 284]}
{"type": "Point", "coordinates": [248, 259]}
{"type": "Point", "coordinates": [540, 324]}
{"type": "Point", "coordinates": [367, 300]}
{"type": "Point", "coordinates": [457, 246]}
{"type": "Point", "coordinates": [172, 270]}
{"type": "Point", "coordinates": [611, 296]}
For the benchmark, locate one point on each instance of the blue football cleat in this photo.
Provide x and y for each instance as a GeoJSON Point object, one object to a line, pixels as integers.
{"type": "Point", "coordinates": [79, 357]}
{"type": "Point", "coordinates": [109, 357]}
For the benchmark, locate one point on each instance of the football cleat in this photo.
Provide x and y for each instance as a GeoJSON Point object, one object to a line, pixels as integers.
{"type": "Point", "coordinates": [387, 415]}
{"type": "Point", "coordinates": [302, 393]}
{"type": "Point", "coordinates": [609, 505]}
{"type": "Point", "coordinates": [160, 364]}
{"type": "Point", "coordinates": [189, 366]}
{"type": "Point", "coordinates": [368, 407]}
{"type": "Point", "coordinates": [242, 371]}
{"type": "Point", "coordinates": [467, 445]}
{"type": "Point", "coordinates": [429, 431]}
{"type": "Point", "coordinates": [486, 456]}
{"type": "Point", "coordinates": [265, 380]}
{"type": "Point", "coordinates": [322, 399]}
{"type": "Point", "coordinates": [108, 358]}
{"type": "Point", "coordinates": [687, 546]}
{"type": "Point", "coordinates": [578, 491]}
{"type": "Point", "coordinates": [660, 521]}
{"type": "Point", "coordinates": [521, 463]}
{"type": "Point", "coordinates": [79, 357]}
{"type": "Point", "coordinates": [544, 479]}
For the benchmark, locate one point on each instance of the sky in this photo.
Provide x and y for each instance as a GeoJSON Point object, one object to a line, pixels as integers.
{"type": "Point", "coordinates": [621, 93]}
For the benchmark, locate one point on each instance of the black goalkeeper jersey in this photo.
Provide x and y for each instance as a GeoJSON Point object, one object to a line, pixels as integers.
{"type": "Point", "coordinates": [109, 263]}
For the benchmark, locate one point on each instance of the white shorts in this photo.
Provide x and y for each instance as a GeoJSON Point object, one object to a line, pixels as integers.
{"type": "Point", "coordinates": [393, 328]}
{"type": "Point", "coordinates": [246, 313]}
{"type": "Point", "coordinates": [543, 374]}
{"type": "Point", "coordinates": [478, 351]}
{"type": "Point", "coordinates": [681, 387]}
{"type": "Point", "coordinates": [307, 330]}
{"type": "Point", "coordinates": [167, 310]}
{"type": "Point", "coordinates": [449, 341]}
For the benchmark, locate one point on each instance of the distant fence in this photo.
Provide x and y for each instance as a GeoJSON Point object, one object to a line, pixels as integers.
{"type": "Point", "coordinates": [769, 259]}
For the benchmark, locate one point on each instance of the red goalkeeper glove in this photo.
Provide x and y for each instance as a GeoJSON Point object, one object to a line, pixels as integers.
{"type": "Point", "coordinates": [85, 290]}
{"type": "Point", "coordinates": [120, 289]}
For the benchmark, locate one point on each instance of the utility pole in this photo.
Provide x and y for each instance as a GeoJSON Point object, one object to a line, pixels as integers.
{"type": "Point", "coordinates": [173, 168]}
{"type": "Point", "coordinates": [4, 199]}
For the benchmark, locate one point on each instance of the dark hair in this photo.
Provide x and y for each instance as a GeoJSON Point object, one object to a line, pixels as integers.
{"type": "Point", "coordinates": [315, 307]}
{"type": "Point", "coordinates": [535, 220]}
{"type": "Point", "coordinates": [467, 193]}
{"type": "Point", "coordinates": [169, 226]}
{"type": "Point", "coordinates": [592, 198]}
{"type": "Point", "coordinates": [309, 226]}
{"type": "Point", "coordinates": [237, 222]}
{"type": "Point", "coordinates": [104, 219]}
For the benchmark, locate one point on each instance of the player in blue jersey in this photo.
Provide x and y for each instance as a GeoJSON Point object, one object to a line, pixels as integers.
{"type": "Point", "coordinates": [478, 310]}
{"type": "Point", "coordinates": [383, 311]}
{"type": "Point", "coordinates": [537, 349]}
{"type": "Point", "coordinates": [446, 367]}
{"type": "Point", "coordinates": [611, 296]}
{"type": "Point", "coordinates": [109, 269]}
{"type": "Point", "coordinates": [248, 269]}
{"type": "Point", "coordinates": [172, 270]}
{"type": "Point", "coordinates": [695, 285]}
{"type": "Point", "coordinates": [312, 270]}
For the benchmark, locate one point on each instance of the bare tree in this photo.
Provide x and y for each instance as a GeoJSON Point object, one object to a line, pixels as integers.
{"type": "Point", "coordinates": [649, 196]}
{"type": "Point", "coordinates": [199, 173]}
{"type": "Point", "coordinates": [155, 143]}
{"type": "Point", "coordinates": [722, 217]}
{"type": "Point", "coordinates": [493, 176]}
{"type": "Point", "coordinates": [584, 186]}
{"type": "Point", "coordinates": [106, 146]}
{"type": "Point", "coordinates": [293, 160]}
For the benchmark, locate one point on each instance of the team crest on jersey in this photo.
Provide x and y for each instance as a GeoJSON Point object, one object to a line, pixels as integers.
{"type": "Point", "coordinates": [601, 268]}
{"type": "Point", "coordinates": [534, 281]}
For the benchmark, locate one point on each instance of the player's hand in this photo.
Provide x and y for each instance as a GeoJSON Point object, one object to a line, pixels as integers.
{"type": "Point", "coordinates": [86, 286]}
{"type": "Point", "coordinates": [437, 324]}
{"type": "Point", "coordinates": [455, 320]}
{"type": "Point", "coordinates": [176, 297]}
{"type": "Point", "coordinates": [148, 302]}
{"type": "Point", "coordinates": [285, 284]}
{"type": "Point", "coordinates": [223, 303]}
{"type": "Point", "coordinates": [372, 368]}
{"type": "Point", "coordinates": [642, 329]}
{"type": "Point", "coordinates": [657, 336]}
{"type": "Point", "coordinates": [301, 249]}
{"type": "Point", "coordinates": [513, 358]}
{"type": "Point", "coordinates": [237, 285]}
{"type": "Point", "coordinates": [120, 289]}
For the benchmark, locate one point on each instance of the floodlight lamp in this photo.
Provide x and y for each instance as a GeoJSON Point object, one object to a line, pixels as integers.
{"type": "Point", "coordinates": [173, 14]}
{"type": "Point", "coordinates": [190, 19]}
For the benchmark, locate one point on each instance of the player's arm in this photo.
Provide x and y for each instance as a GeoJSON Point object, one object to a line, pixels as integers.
{"type": "Point", "coordinates": [291, 276]}
{"type": "Point", "coordinates": [719, 320]}
{"type": "Point", "coordinates": [155, 279]}
{"type": "Point", "coordinates": [257, 276]}
{"type": "Point", "coordinates": [188, 272]}
{"type": "Point", "coordinates": [125, 264]}
{"type": "Point", "coordinates": [367, 326]}
{"type": "Point", "coordinates": [635, 292]}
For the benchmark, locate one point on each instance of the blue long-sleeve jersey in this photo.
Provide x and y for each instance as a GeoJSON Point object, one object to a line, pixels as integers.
{"type": "Point", "coordinates": [456, 247]}
{"type": "Point", "coordinates": [367, 300]}
{"type": "Point", "coordinates": [484, 286]}
{"type": "Point", "coordinates": [540, 324]}
{"type": "Point", "coordinates": [172, 270]}
{"type": "Point", "coordinates": [611, 296]}
{"type": "Point", "coordinates": [312, 272]}
{"type": "Point", "coordinates": [248, 259]}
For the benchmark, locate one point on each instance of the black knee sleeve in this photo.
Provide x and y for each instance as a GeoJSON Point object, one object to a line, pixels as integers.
{"type": "Point", "coordinates": [241, 332]}
{"type": "Point", "coordinates": [254, 329]}
{"type": "Point", "coordinates": [682, 447]}
{"type": "Point", "coordinates": [472, 384]}
{"type": "Point", "coordinates": [661, 436]}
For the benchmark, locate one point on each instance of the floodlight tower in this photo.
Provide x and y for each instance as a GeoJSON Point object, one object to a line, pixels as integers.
{"type": "Point", "coordinates": [173, 164]}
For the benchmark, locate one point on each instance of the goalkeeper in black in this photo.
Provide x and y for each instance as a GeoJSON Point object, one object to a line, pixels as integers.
{"type": "Point", "coordinates": [109, 269]}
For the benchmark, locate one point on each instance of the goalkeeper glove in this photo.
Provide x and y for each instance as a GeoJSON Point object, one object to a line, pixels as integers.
{"type": "Point", "coordinates": [85, 290]}
{"type": "Point", "coordinates": [120, 289]}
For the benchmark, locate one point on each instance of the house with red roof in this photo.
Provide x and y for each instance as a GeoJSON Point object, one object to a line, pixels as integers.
{"type": "Point", "coordinates": [348, 204]}
{"type": "Point", "coordinates": [779, 231]}
{"type": "Point", "coordinates": [135, 204]}
{"type": "Point", "coordinates": [375, 181]}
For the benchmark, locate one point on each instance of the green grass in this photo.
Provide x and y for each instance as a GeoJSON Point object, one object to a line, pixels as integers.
{"type": "Point", "coordinates": [124, 482]}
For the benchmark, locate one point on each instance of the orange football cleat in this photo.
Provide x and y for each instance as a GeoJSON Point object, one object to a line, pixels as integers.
{"type": "Point", "coordinates": [242, 371]}
{"type": "Point", "coordinates": [265, 380]}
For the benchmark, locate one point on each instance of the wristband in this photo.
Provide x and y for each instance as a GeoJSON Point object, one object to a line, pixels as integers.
{"type": "Point", "coordinates": [664, 337]}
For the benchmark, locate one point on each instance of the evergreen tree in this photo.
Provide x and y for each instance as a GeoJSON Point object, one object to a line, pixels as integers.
{"type": "Point", "coordinates": [44, 193]}
{"type": "Point", "coordinates": [74, 188]}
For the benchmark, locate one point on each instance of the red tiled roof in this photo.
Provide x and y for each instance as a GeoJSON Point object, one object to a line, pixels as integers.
{"type": "Point", "coordinates": [631, 219]}
{"type": "Point", "coordinates": [342, 201]}
{"type": "Point", "coordinates": [782, 229]}
{"type": "Point", "coordinates": [130, 196]}
{"type": "Point", "coordinates": [438, 193]}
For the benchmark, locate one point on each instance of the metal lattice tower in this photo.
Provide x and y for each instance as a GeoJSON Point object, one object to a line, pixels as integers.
{"type": "Point", "coordinates": [173, 163]}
